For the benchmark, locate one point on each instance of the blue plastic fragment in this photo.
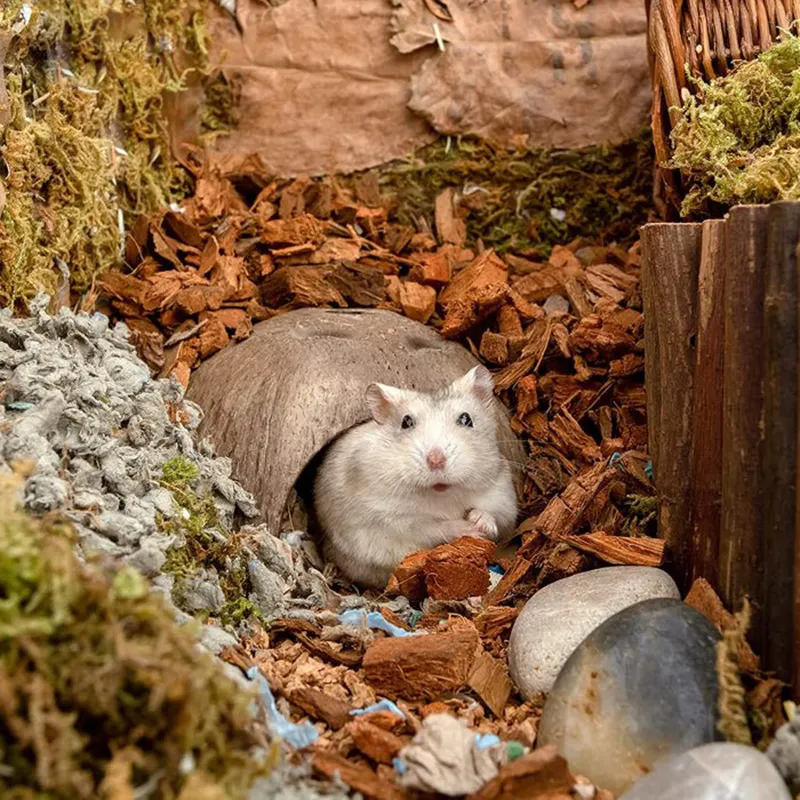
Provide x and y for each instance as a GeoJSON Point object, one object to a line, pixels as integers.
{"type": "Point", "coordinates": [648, 469]}
{"type": "Point", "coordinates": [400, 766]}
{"type": "Point", "coordinates": [381, 705]}
{"type": "Point", "coordinates": [613, 458]}
{"type": "Point", "coordinates": [298, 736]}
{"type": "Point", "coordinates": [497, 569]}
{"type": "Point", "coordinates": [19, 405]}
{"type": "Point", "coordinates": [374, 620]}
{"type": "Point", "coordinates": [485, 740]}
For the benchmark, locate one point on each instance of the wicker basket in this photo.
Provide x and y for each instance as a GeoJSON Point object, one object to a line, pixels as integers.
{"type": "Point", "coordinates": [709, 36]}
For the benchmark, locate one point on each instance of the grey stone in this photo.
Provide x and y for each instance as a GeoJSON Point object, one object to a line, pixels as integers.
{"type": "Point", "coordinates": [561, 615]}
{"type": "Point", "coordinates": [268, 588]}
{"type": "Point", "coordinates": [639, 689]}
{"type": "Point", "coordinates": [784, 752]}
{"type": "Point", "coordinates": [556, 304]}
{"type": "Point", "coordinates": [718, 771]}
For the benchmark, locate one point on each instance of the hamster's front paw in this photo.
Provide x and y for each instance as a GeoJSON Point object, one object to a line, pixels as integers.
{"type": "Point", "coordinates": [484, 523]}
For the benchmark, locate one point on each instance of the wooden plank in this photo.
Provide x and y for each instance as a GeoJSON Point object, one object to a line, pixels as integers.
{"type": "Point", "coordinates": [796, 560]}
{"type": "Point", "coordinates": [779, 452]}
{"type": "Point", "coordinates": [740, 544]}
{"type": "Point", "coordinates": [670, 260]}
{"type": "Point", "coordinates": [707, 435]}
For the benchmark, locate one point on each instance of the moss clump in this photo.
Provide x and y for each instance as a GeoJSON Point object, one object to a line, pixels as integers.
{"type": "Point", "coordinates": [100, 691]}
{"type": "Point", "coordinates": [205, 544]}
{"type": "Point", "coordinates": [124, 61]}
{"type": "Point", "coordinates": [738, 141]}
{"type": "Point", "coordinates": [530, 199]}
{"type": "Point", "coordinates": [219, 114]}
{"type": "Point", "coordinates": [179, 472]}
{"type": "Point", "coordinates": [61, 206]}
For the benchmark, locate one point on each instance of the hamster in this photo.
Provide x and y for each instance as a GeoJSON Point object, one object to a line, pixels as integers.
{"type": "Point", "coordinates": [426, 469]}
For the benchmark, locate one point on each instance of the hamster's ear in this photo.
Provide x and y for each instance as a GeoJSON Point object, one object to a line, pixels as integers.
{"type": "Point", "coordinates": [478, 381]}
{"type": "Point", "coordinates": [382, 402]}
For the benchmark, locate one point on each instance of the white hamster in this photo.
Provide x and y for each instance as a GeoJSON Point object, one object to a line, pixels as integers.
{"type": "Point", "coordinates": [426, 469]}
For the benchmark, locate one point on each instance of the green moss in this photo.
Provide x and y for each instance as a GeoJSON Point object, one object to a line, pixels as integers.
{"type": "Point", "coordinates": [124, 60]}
{"type": "Point", "coordinates": [640, 512]}
{"type": "Point", "coordinates": [516, 197]}
{"type": "Point", "coordinates": [101, 692]}
{"type": "Point", "coordinates": [219, 113]}
{"type": "Point", "coordinates": [60, 195]}
{"type": "Point", "coordinates": [738, 141]}
{"type": "Point", "coordinates": [205, 544]}
{"type": "Point", "coordinates": [179, 472]}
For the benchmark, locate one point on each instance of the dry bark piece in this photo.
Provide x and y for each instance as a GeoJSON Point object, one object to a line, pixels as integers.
{"type": "Point", "coordinates": [452, 571]}
{"type": "Point", "coordinates": [495, 622]}
{"type": "Point", "coordinates": [459, 569]}
{"type": "Point", "coordinates": [508, 321]}
{"type": "Point", "coordinates": [213, 337]}
{"type": "Point", "coordinates": [418, 302]}
{"type": "Point", "coordinates": [304, 229]}
{"type": "Point", "coordinates": [236, 320]}
{"type": "Point", "coordinates": [489, 680]}
{"type": "Point", "coordinates": [540, 775]}
{"type": "Point", "coordinates": [486, 270]}
{"type": "Point", "coordinates": [408, 579]}
{"type": "Point", "coordinates": [704, 599]}
{"type": "Point", "coordinates": [599, 340]}
{"type": "Point", "coordinates": [194, 299]}
{"type": "Point", "coordinates": [538, 286]}
{"type": "Point", "coordinates": [123, 287]}
{"type": "Point", "coordinates": [374, 742]}
{"type": "Point", "coordinates": [638, 551]}
{"type": "Point", "coordinates": [301, 286]}
{"type": "Point", "coordinates": [571, 439]}
{"type": "Point", "coordinates": [149, 342]}
{"type": "Point", "coordinates": [357, 776]}
{"type": "Point", "coordinates": [450, 228]}
{"type": "Point", "coordinates": [494, 348]}
{"type": "Point", "coordinates": [333, 712]}
{"type": "Point", "coordinates": [463, 314]}
{"type": "Point", "coordinates": [433, 269]}
{"type": "Point", "coordinates": [563, 258]}
{"type": "Point", "coordinates": [421, 667]}
{"type": "Point", "coordinates": [385, 720]}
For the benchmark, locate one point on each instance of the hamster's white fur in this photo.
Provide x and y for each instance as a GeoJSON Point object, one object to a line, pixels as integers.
{"type": "Point", "coordinates": [387, 488]}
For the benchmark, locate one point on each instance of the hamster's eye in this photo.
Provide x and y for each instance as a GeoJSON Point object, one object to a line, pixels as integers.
{"type": "Point", "coordinates": [408, 422]}
{"type": "Point", "coordinates": [465, 420]}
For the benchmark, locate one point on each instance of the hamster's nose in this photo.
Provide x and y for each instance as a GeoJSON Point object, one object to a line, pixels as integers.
{"type": "Point", "coordinates": [435, 459]}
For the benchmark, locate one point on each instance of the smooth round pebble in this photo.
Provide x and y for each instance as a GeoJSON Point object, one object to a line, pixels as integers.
{"type": "Point", "coordinates": [639, 689]}
{"type": "Point", "coordinates": [561, 615]}
{"type": "Point", "coordinates": [718, 771]}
